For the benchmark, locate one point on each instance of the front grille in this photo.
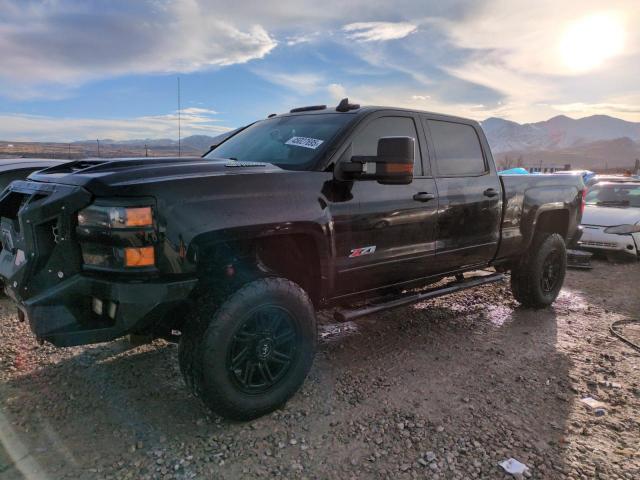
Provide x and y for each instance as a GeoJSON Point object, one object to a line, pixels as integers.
{"type": "Point", "coordinates": [586, 243]}
{"type": "Point", "coordinates": [38, 219]}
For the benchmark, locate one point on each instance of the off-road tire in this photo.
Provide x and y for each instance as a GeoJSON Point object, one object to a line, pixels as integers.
{"type": "Point", "coordinates": [209, 334]}
{"type": "Point", "coordinates": [186, 349]}
{"type": "Point", "coordinates": [527, 275]}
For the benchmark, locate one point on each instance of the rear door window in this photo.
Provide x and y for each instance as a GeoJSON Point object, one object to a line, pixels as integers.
{"type": "Point", "coordinates": [457, 149]}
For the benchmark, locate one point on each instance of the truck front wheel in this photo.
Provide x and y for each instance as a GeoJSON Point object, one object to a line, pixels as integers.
{"type": "Point", "coordinates": [536, 281]}
{"type": "Point", "coordinates": [249, 355]}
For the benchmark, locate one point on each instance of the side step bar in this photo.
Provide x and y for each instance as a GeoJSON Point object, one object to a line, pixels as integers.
{"type": "Point", "coordinates": [347, 315]}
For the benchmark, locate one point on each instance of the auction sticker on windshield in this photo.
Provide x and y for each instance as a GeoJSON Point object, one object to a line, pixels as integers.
{"type": "Point", "coordinates": [305, 142]}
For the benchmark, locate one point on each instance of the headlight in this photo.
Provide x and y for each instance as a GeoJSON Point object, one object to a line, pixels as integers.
{"type": "Point", "coordinates": [107, 256]}
{"type": "Point", "coordinates": [115, 217]}
{"type": "Point", "coordinates": [117, 238]}
{"type": "Point", "coordinates": [623, 229]}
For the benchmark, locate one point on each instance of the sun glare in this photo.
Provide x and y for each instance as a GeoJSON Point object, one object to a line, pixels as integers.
{"type": "Point", "coordinates": [588, 42]}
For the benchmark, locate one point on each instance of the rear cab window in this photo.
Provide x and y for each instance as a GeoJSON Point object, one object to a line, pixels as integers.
{"type": "Point", "coordinates": [457, 149]}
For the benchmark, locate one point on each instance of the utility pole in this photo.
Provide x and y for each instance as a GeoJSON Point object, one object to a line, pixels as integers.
{"type": "Point", "coordinates": [179, 118]}
{"type": "Point", "coordinates": [146, 150]}
{"type": "Point", "coordinates": [69, 151]}
{"type": "Point", "coordinates": [97, 140]}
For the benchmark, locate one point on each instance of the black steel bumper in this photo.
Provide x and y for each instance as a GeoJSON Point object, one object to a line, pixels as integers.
{"type": "Point", "coordinates": [41, 267]}
{"type": "Point", "coordinates": [64, 315]}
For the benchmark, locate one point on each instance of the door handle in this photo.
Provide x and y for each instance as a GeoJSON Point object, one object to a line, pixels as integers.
{"type": "Point", "coordinates": [490, 192]}
{"type": "Point", "coordinates": [423, 197]}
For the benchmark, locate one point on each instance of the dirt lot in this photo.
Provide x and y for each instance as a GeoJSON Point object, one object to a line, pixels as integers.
{"type": "Point", "coordinates": [444, 389]}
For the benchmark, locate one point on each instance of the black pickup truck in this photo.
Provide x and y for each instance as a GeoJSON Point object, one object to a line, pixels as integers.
{"type": "Point", "coordinates": [356, 209]}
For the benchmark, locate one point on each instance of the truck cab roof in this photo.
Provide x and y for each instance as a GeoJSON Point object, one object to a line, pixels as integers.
{"type": "Point", "coordinates": [362, 111]}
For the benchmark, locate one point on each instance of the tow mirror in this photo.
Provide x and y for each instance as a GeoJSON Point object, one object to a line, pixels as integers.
{"type": "Point", "coordinates": [393, 165]}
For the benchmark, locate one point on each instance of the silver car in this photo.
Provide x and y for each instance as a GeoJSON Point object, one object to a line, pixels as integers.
{"type": "Point", "coordinates": [611, 219]}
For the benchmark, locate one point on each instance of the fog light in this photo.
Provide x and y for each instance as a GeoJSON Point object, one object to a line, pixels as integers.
{"type": "Point", "coordinates": [97, 305]}
{"type": "Point", "coordinates": [113, 308]}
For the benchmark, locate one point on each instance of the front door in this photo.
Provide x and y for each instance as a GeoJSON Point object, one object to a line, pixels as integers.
{"type": "Point", "coordinates": [390, 238]}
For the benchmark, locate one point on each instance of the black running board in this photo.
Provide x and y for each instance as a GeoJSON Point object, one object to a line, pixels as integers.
{"type": "Point", "coordinates": [347, 315]}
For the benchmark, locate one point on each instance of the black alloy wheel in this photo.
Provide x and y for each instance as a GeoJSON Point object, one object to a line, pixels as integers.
{"type": "Point", "coordinates": [262, 349]}
{"type": "Point", "coordinates": [551, 269]}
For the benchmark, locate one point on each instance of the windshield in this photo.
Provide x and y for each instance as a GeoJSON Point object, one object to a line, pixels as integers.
{"type": "Point", "coordinates": [623, 195]}
{"type": "Point", "coordinates": [293, 142]}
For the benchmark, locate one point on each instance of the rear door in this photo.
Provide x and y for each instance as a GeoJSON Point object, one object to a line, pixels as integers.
{"type": "Point", "coordinates": [469, 196]}
{"type": "Point", "coordinates": [390, 239]}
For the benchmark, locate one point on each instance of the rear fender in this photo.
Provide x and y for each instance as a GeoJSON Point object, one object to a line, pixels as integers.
{"type": "Point", "coordinates": [540, 201]}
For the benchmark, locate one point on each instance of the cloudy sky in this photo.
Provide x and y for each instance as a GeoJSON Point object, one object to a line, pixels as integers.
{"type": "Point", "coordinates": [85, 69]}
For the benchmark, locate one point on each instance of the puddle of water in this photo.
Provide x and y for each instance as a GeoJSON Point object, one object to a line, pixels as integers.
{"type": "Point", "coordinates": [571, 299]}
{"type": "Point", "coordinates": [498, 314]}
{"type": "Point", "coordinates": [336, 331]}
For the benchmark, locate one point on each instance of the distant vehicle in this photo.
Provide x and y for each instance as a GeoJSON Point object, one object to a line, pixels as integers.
{"type": "Point", "coordinates": [316, 208]}
{"type": "Point", "coordinates": [610, 178]}
{"type": "Point", "coordinates": [586, 174]}
{"type": "Point", "coordinates": [514, 171]}
{"type": "Point", "coordinates": [611, 220]}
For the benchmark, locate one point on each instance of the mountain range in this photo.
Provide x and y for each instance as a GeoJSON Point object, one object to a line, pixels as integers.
{"type": "Point", "coordinates": [598, 142]}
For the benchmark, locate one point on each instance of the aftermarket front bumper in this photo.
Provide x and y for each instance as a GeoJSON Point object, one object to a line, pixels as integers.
{"type": "Point", "coordinates": [41, 267]}
{"type": "Point", "coordinates": [65, 314]}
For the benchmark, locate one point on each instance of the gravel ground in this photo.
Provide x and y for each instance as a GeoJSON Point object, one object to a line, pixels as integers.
{"type": "Point", "coordinates": [443, 389]}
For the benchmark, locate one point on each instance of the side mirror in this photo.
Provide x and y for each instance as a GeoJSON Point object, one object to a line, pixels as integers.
{"type": "Point", "coordinates": [393, 165]}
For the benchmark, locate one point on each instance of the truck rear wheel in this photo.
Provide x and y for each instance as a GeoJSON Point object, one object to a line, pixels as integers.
{"type": "Point", "coordinates": [537, 280]}
{"type": "Point", "coordinates": [249, 355]}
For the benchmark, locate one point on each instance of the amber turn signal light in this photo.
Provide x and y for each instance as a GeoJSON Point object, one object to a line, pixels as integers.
{"type": "Point", "coordinates": [139, 217]}
{"type": "Point", "coordinates": [139, 257]}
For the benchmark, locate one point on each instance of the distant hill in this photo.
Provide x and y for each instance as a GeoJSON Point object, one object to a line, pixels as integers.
{"type": "Point", "coordinates": [199, 143]}
{"type": "Point", "coordinates": [595, 142]}
{"type": "Point", "coordinates": [192, 146]}
{"type": "Point", "coordinates": [557, 132]}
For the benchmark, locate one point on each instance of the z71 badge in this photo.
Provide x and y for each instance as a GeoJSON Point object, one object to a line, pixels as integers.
{"type": "Point", "coordinates": [358, 252]}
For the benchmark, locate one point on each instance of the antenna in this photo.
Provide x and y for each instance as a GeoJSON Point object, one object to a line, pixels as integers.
{"type": "Point", "coordinates": [179, 132]}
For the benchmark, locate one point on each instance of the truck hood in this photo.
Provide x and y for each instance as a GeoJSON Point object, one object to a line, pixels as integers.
{"type": "Point", "coordinates": [96, 173]}
{"type": "Point", "coordinates": [610, 216]}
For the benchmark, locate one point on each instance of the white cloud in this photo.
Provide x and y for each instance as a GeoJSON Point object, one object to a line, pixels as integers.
{"type": "Point", "coordinates": [304, 38]}
{"type": "Point", "coordinates": [532, 39]}
{"type": "Point", "coordinates": [300, 83]}
{"type": "Point", "coordinates": [614, 109]}
{"type": "Point", "coordinates": [378, 31]}
{"type": "Point", "coordinates": [68, 42]}
{"type": "Point", "coordinates": [337, 91]}
{"type": "Point", "coordinates": [21, 127]}
{"type": "Point", "coordinates": [541, 61]}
